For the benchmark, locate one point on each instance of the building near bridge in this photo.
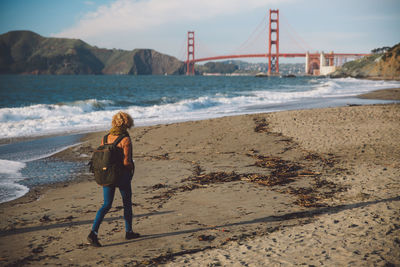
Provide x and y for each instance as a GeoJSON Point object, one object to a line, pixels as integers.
{"type": "Point", "coordinates": [319, 64]}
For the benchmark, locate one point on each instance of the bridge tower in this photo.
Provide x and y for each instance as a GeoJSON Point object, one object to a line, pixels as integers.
{"type": "Point", "coordinates": [273, 43]}
{"type": "Point", "coordinates": [190, 53]}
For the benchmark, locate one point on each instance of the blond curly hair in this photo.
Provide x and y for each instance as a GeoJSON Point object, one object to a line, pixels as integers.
{"type": "Point", "coordinates": [122, 120]}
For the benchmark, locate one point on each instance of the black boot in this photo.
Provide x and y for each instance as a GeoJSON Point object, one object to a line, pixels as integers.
{"type": "Point", "coordinates": [92, 238]}
{"type": "Point", "coordinates": [131, 235]}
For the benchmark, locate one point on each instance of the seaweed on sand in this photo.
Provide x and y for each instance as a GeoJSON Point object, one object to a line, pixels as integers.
{"type": "Point", "coordinates": [261, 125]}
{"type": "Point", "coordinates": [282, 172]}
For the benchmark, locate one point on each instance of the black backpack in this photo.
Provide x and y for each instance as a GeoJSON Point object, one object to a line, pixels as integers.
{"type": "Point", "coordinates": [107, 162]}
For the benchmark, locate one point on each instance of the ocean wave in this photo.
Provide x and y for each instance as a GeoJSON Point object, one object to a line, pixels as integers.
{"type": "Point", "coordinates": [44, 111]}
{"type": "Point", "coordinates": [10, 173]}
{"type": "Point", "coordinates": [10, 167]}
{"type": "Point", "coordinates": [90, 104]}
{"type": "Point", "coordinates": [10, 191]}
{"type": "Point", "coordinates": [91, 115]}
{"type": "Point", "coordinates": [297, 93]}
{"type": "Point", "coordinates": [351, 86]}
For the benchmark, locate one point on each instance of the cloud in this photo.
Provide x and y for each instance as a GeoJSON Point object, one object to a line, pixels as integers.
{"type": "Point", "coordinates": [89, 3]}
{"type": "Point", "coordinates": [130, 16]}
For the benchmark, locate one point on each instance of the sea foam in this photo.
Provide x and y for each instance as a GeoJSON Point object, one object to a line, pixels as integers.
{"type": "Point", "coordinates": [93, 114]}
{"type": "Point", "coordinates": [10, 167]}
{"type": "Point", "coordinates": [9, 176]}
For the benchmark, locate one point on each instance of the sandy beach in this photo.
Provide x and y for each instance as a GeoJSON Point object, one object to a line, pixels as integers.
{"type": "Point", "coordinates": [306, 187]}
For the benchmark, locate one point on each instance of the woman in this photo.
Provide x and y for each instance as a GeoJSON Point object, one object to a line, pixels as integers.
{"type": "Point", "coordinates": [121, 122]}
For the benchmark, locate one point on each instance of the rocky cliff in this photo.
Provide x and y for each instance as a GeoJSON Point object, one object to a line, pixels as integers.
{"type": "Point", "coordinates": [384, 65]}
{"type": "Point", "coordinates": [28, 52]}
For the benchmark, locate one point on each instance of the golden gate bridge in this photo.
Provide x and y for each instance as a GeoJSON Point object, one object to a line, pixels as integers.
{"type": "Point", "coordinates": [316, 63]}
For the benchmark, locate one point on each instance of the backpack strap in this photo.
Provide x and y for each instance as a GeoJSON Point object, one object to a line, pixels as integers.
{"type": "Point", "coordinates": [120, 137]}
{"type": "Point", "coordinates": [115, 143]}
{"type": "Point", "coordinates": [105, 139]}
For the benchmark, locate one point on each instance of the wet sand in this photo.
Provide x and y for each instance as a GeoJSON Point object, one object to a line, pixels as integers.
{"type": "Point", "coordinates": [385, 94]}
{"type": "Point", "coordinates": [315, 186]}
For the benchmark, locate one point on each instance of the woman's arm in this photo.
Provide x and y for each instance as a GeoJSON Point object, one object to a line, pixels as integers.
{"type": "Point", "coordinates": [127, 148]}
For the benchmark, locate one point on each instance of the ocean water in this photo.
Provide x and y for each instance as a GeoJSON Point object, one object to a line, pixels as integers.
{"type": "Point", "coordinates": [38, 106]}
{"type": "Point", "coordinates": [29, 163]}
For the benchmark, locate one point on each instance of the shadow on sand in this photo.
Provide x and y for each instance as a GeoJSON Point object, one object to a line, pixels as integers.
{"type": "Point", "coordinates": [71, 223]}
{"type": "Point", "coordinates": [294, 215]}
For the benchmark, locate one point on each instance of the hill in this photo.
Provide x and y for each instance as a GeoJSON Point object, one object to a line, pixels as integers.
{"type": "Point", "coordinates": [243, 67]}
{"type": "Point", "coordinates": [284, 68]}
{"type": "Point", "coordinates": [30, 53]}
{"type": "Point", "coordinates": [383, 65]}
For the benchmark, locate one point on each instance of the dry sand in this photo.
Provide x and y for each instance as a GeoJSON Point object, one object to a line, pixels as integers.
{"type": "Point", "coordinates": [314, 187]}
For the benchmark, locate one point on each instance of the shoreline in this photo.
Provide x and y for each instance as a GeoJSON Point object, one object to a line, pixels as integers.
{"type": "Point", "coordinates": [335, 187]}
{"type": "Point", "coordinates": [382, 78]}
{"type": "Point", "coordinates": [383, 94]}
{"type": "Point", "coordinates": [35, 192]}
{"type": "Point", "coordinates": [321, 92]}
{"type": "Point", "coordinates": [380, 94]}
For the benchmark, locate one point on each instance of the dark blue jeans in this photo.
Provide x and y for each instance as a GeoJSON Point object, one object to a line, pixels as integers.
{"type": "Point", "coordinates": [124, 185]}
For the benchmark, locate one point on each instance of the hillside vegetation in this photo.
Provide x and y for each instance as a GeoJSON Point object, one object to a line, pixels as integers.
{"type": "Point", "coordinates": [383, 65]}
{"type": "Point", "coordinates": [30, 53]}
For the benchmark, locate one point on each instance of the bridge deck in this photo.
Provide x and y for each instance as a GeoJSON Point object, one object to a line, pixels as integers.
{"type": "Point", "coordinates": [328, 55]}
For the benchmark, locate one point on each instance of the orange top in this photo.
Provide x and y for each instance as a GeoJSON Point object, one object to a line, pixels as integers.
{"type": "Point", "coordinates": [126, 146]}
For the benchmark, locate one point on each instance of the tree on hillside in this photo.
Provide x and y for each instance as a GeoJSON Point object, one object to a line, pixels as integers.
{"type": "Point", "coordinates": [217, 67]}
{"type": "Point", "coordinates": [380, 50]}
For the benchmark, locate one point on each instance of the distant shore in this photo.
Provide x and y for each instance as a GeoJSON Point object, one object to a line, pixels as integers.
{"type": "Point", "coordinates": [319, 186]}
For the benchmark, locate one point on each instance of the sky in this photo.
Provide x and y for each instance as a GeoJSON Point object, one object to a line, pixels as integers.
{"type": "Point", "coordinates": [221, 26]}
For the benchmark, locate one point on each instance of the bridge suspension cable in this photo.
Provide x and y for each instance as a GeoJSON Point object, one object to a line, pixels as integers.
{"type": "Point", "coordinates": [203, 49]}
{"type": "Point", "coordinates": [182, 51]}
{"type": "Point", "coordinates": [306, 46]}
{"type": "Point", "coordinates": [273, 54]}
{"type": "Point", "coordinates": [292, 40]}
{"type": "Point", "coordinates": [254, 36]}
